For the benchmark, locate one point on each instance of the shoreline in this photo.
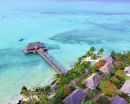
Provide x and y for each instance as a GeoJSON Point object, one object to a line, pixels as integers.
{"type": "Point", "coordinates": [18, 97]}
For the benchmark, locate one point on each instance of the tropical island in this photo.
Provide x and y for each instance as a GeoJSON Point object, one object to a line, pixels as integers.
{"type": "Point", "coordinates": [94, 79]}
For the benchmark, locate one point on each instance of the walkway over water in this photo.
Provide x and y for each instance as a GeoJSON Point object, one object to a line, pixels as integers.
{"type": "Point", "coordinates": [53, 63]}
{"type": "Point", "coordinates": [39, 48]}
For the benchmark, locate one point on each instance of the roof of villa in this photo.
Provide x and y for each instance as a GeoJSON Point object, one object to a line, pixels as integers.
{"type": "Point", "coordinates": [119, 100]}
{"type": "Point", "coordinates": [106, 68]}
{"type": "Point", "coordinates": [75, 97]}
{"type": "Point", "coordinates": [126, 87]}
{"type": "Point", "coordinates": [93, 80]}
{"type": "Point", "coordinates": [108, 59]}
{"type": "Point", "coordinates": [35, 45]}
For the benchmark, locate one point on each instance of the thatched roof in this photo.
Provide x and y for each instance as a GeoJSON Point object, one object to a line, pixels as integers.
{"type": "Point", "coordinates": [93, 81]}
{"type": "Point", "coordinates": [119, 100]}
{"type": "Point", "coordinates": [126, 87]}
{"type": "Point", "coordinates": [35, 45]}
{"type": "Point", "coordinates": [75, 97]}
{"type": "Point", "coordinates": [106, 68]}
{"type": "Point", "coordinates": [108, 59]}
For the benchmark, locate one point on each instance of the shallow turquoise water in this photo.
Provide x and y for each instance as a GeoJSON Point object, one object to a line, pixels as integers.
{"type": "Point", "coordinates": [67, 28]}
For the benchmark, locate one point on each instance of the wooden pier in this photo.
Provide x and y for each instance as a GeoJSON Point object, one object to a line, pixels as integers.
{"type": "Point", "coordinates": [38, 47]}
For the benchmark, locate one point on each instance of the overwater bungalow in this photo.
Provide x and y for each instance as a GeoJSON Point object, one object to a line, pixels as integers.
{"type": "Point", "coordinates": [33, 47]}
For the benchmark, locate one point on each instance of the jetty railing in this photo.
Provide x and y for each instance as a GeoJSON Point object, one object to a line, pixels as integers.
{"type": "Point", "coordinates": [53, 63]}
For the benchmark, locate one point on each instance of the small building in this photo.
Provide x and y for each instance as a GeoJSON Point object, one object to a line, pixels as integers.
{"type": "Point", "coordinates": [75, 97]}
{"type": "Point", "coordinates": [106, 68]}
{"type": "Point", "coordinates": [126, 88]}
{"type": "Point", "coordinates": [108, 59]}
{"type": "Point", "coordinates": [118, 100]}
{"type": "Point", "coordinates": [93, 81]}
{"type": "Point", "coordinates": [127, 70]}
{"type": "Point", "coordinates": [33, 47]}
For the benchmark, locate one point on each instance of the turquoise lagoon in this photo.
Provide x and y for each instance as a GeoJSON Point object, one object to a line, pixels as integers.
{"type": "Point", "coordinates": [67, 28]}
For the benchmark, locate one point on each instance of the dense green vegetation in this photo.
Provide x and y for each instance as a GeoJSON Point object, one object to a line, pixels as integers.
{"type": "Point", "coordinates": [41, 94]}
{"type": "Point", "coordinates": [102, 100]}
{"type": "Point", "coordinates": [88, 102]}
{"type": "Point", "coordinates": [91, 93]}
{"type": "Point", "coordinates": [107, 87]}
{"type": "Point", "coordinates": [93, 53]}
{"type": "Point", "coordinates": [122, 57]}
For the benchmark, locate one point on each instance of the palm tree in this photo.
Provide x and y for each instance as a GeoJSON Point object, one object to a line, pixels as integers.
{"type": "Point", "coordinates": [71, 74]}
{"type": "Point", "coordinates": [42, 97]}
{"type": "Point", "coordinates": [88, 54]}
{"type": "Point", "coordinates": [92, 49]}
{"type": "Point", "coordinates": [93, 56]}
{"type": "Point", "coordinates": [58, 76]}
{"type": "Point", "coordinates": [25, 92]}
{"type": "Point", "coordinates": [61, 79]}
{"type": "Point", "coordinates": [100, 52]}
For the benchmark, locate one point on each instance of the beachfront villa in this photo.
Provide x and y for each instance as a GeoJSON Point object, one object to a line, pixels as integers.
{"type": "Point", "coordinates": [118, 100]}
{"type": "Point", "coordinates": [127, 70]}
{"type": "Point", "coordinates": [106, 68]}
{"type": "Point", "coordinates": [93, 81]}
{"type": "Point", "coordinates": [75, 97]}
{"type": "Point", "coordinates": [126, 88]}
{"type": "Point", "coordinates": [108, 59]}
